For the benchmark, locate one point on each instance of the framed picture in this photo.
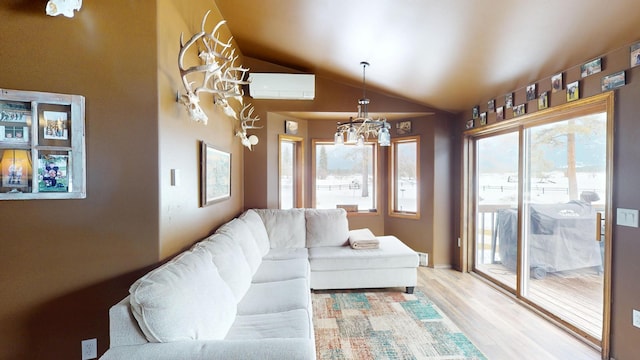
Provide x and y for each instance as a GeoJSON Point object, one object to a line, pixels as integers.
{"type": "Point", "coordinates": [403, 127]}
{"type": "Point", "coordinates": [483, 118]}
{"type": "Point", "coordinates": [42, 146]}
{"type": "Point", "coordinates": [613, 81]}
{"type": "Point", "coordinates": [291, 127]}
{"type": "Point", "coordinates": [469, 124]}
{"type": "Point", "coordinates": [531, 92]}
{"type": "Point", "coordinates": [635, 54]}
{"type": "Point", "coordinates": [543, 100]}
{"type": "Point", "coordinates": [491, 105]}
{"type": "Point", "coordinates": [556, 82]}
{"type": "Point", "coordinates": [508, 101]}
{"type": "Point", "coordinates": [500, 113]}
{"type": "Point", "coordinates": [53, 172]}
{"type": "Point", "coordinates": [573, 91]}
{"type": "Point", "coordinates": [16, 169]}
{"type": "Point", "coordinates": [519, 110]}
{"type": "Point", "coordinates": [590, 68]}
{"type": "Point", "coordinates": [475, 112]}
{"type": "Point", "coordinates": [215, 174]}
{"type": "Point", "coordinates": [56, 126]}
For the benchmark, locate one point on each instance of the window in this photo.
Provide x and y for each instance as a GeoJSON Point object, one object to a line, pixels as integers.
{"type": "Point", "coordinates": [405, 177]}
{"type": "Point", "coordinates": [290, 176]}
{"type": "Point", "coordinates": [345, 176]}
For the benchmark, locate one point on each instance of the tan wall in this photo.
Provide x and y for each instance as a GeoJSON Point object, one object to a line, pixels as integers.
{"type": "Point", "coordinates": [625, 246]}
{"type": "Point", "coordinates": [63, 263]}
{"type": "Point", "coordinates": [182, 220]}
{"type": "Point", "coordinates": [432, 233]}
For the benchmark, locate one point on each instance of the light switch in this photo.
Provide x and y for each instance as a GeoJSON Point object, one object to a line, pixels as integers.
{"type": "Point", "coordinates": [175, 177]}
{"type": "Point", "coordinates": [627, 217]}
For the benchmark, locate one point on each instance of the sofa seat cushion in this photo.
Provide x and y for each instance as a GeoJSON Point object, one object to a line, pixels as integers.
{"type": "Point", "coordinates": [286, 228]}
{"type": "Point", "coordinates": [256, 226]}
{"type": "Point", "coordinates": [287, 253]}
{"type": "Point", "coordinates": [277, 296]}
{"type": "Point", "coordinates": [229, 258]}
{"type": "Point", "coordinates": [326, 227]}
{"type": "Point", "coordinates": [184, 299]}
{"type": "Point", "coordinates": [278, 270]}
{"type": "Point", "coordinates": [392, 253]}
{"type": "Point", "coordinates": [288, 324]}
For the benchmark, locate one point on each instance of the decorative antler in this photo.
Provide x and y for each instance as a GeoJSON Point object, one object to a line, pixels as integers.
{"type": "Point", "coordinates": [213, 64]}
{"type": "Point", "coordinates": [247, 122]}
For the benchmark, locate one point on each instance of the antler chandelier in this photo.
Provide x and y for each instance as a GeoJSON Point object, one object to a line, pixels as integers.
{"type": "Point", "coordinates": [363, 127]}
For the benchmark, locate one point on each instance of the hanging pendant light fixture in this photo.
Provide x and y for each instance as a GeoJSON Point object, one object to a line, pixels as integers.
{"type": "Point", "coordinates": [362, 127]}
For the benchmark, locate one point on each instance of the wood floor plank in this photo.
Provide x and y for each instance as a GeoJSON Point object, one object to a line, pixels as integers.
{"type": "Point", "coordinates": [501, 327]}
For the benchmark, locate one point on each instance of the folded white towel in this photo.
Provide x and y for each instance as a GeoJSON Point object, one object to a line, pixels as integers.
{"type": "Point", "coordinates": [363, 239]}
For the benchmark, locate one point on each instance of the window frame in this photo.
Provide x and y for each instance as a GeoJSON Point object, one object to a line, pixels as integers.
{"type": "Point", "coordinates": [393, 152]}
{"type": "Point", "coordinates": [298, 164]}
{"type": "Point", "coordinates": [376, 176]}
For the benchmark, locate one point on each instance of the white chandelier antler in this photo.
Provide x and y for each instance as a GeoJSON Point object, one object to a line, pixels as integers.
{"type": "Point", "coordinates": [247, 122]}
{"type": "Point", "coordinates": [362, 127]}
{"type": "Point", "coordinates": [219, 74]}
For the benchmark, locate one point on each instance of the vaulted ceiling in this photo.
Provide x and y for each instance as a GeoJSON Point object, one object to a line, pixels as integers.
{"type": "Point", "coordinates": [447, 54]}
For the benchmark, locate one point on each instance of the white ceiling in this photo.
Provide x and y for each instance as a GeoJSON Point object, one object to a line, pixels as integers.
{"type": "Point", "coordinates": [448, 54]}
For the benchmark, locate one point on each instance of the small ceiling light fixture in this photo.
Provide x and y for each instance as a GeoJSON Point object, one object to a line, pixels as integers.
{"type": "Point", "coordinates": [362, 127]}
{"type": "Point", "coordinates": [63, 7]}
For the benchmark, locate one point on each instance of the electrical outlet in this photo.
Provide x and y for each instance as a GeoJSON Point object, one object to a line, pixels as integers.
{"type": "Point", "coordinates": [89, 349]}
{"type": "Point", "coordinates": [636, 318]}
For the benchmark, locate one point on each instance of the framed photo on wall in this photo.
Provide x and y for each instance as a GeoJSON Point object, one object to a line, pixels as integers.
{"type": "Point", "coordinates": [613, 81]}
{"type": "Point", "coordinates": [290, 127]}
{"type": "Point", "coordinates": [573, 91]}
{"type": "Point", "coordinates": [556, 82]}
{"type": "Point", "coordinates": [403, 127]}
{"type": "Point", "coordinates": [590, 68]}
{"type": "Point", "coordinates": [531, 92]}
{"type": "Point", "coordinates": [634, 55]}
{"type": "Point", "coordinates": [215, 169]}
{"type": "Point", "coordinates": [508, 101]}
{"type": "Point", "coordinates": [543, 100]}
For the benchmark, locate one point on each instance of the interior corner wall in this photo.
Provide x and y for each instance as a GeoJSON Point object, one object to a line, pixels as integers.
{"type": "Point", "coordinates": [183, 220]}
{"type": "Point", "coordinates": [63, 263]}
{"type": "Point", "coordinates": [625, 250]}
{"type": "Point", "coordinates": [431, 233]}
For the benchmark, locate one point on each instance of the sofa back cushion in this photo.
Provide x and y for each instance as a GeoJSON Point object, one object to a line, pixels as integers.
{"type": "Point", "coordinates": [184, 299]}
{"type": "Point", "coordinates": [230, 261]}
{"type": "Point", "coordinates": [239, 232]}
{"type": "Point", "coordinates": [256, 226]}
{"type": "Point", "coordinates": [326, 227]}
{"type": "Point", "coordinates": [286, 228]}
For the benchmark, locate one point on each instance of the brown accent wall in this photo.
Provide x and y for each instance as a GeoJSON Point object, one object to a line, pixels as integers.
{"type": "Point", "coordinates": [63, 263]}
{"type": "Point", "coordinates": [431, 233]}
{"type": "Point", "coordinates": [625, 245]}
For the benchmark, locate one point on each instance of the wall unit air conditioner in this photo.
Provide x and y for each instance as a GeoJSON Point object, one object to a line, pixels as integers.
{"type": "Point", "coordinates": [282, 86]}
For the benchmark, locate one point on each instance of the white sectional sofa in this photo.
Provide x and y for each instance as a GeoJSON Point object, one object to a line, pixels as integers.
{"type": "Point", "coordinates": [244, 292]}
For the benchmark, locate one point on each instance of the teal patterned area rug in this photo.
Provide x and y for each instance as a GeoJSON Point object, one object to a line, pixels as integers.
{"type": "Point", "coordinates": [386, 325]}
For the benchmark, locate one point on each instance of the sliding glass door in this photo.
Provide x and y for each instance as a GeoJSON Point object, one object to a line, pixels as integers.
{"type": "Point", "coordinates": [538, 200]}
{"type": "Point", "coordinates": [564, 190]}
{"type": "Point", "coordinates": [496, 252]}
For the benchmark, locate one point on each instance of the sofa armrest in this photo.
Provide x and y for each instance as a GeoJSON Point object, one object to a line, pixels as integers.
{"type": "Point", "coordinates": [123, 327]}
{"type": "Point", "coordinates": [265, 349]}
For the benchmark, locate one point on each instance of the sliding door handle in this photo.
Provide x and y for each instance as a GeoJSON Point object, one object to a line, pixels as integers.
{"type": "Point", "coordinates": [598, 225]}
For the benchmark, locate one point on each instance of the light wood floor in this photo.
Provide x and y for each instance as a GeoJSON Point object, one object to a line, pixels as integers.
{"type": "Point", "coordinates": [501, 328]}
